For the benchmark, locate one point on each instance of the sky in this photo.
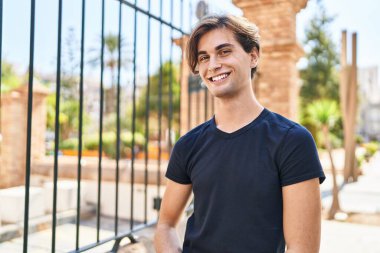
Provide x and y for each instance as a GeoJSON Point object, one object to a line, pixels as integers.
{"type": "Point", "coordinates": [354, 16]}
{"type": "Point", "coordinates": [349, 15]}
{"type": "Point", "coordinates": [360, 17]}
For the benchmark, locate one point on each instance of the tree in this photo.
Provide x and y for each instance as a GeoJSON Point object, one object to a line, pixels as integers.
{"type": "Point", "coordinates": [111, 46]}
{"type": "Point", "coordinates": [154, 96]}
{"type": "Point", "coordinates": [9, 79]}
{"type": "Point", "coordinates": [68, 116]}
{"type": "Point", "coordinates": [111, 43]}
{"type": "Point", "coordinates": [70, 66]}
{"type": "Point", "coordinates": [324, 114]}
{"type": "Point", "coordinates": [320, 77]}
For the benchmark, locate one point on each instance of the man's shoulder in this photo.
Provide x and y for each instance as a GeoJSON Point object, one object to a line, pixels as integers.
{"type": "Point", "coordinates": [286, 127]}
{"type": "Point", "coordinates": [193, 135]}
{"type": "Point", "coordinates": [277, 120]}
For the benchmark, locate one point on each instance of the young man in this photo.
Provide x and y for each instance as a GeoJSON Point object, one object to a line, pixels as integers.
{"type": "Point", "coordinates": [255, 175]}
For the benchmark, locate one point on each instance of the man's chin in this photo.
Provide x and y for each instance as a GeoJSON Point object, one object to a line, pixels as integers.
{"type": "Point", "coordinates": [223, 94]}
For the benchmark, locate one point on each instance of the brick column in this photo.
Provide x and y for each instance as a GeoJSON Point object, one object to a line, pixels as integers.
{"type": "Point", "coordinates": [184, 82]}
{"type": "Point", "coordinates": [14, 130]}
{"type": "Point", "coordinates": [277, 82]}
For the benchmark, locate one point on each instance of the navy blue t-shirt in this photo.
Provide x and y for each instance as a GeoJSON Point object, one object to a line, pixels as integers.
{"type": "Point", "coordinates": [237, 181]}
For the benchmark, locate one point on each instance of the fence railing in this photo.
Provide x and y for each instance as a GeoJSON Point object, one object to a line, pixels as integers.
{"type": "Point", "coordinates": [160, 93]}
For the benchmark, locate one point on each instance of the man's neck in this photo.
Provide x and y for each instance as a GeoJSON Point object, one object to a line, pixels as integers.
{"type": "Point", "coordinates": [234, 113]}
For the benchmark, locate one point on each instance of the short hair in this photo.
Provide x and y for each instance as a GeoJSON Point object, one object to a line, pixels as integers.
{"type": "Point", "coordinates": [245, 32]}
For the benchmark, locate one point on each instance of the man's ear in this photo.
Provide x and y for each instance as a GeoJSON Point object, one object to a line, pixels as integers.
{"type": "Point", "coordinates": [254, 57]}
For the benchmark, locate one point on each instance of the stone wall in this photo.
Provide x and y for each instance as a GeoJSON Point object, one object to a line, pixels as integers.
{"type": "Point", "coordinates": [277, 83]}
{"type": "Point", "coordinates": [14, 118]}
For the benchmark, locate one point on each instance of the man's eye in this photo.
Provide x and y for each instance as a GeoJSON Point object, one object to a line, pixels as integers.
{"type": "Point", "coordinates": [224, 52]}
{"type": "Point", "coordinates": [202, 58]}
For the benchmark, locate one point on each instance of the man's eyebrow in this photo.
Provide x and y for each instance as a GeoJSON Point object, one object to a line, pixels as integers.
{"type": "Point", "coordinates": [223, 45]}
{"type": "Point", "coordinates": [217, 48]}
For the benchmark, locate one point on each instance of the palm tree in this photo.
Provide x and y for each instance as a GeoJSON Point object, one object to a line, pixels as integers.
{"type": "Point", "coordinates": [111, 46]}
{"type": "Point", "coordinates": [324, 114]}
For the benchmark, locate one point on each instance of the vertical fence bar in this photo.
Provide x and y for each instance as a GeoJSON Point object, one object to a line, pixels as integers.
{"type": "Point", "coordinates": [190, 15]}
{"type": "Point", "coordinates": [159, 113]}
{"type": "Point", "coordinates": [56, 130]}
{"type": "Point", "coordinates": [189, 109]}
{"type": "Point", "coordinates": [118, 124]}
{"type": "Point", "coordinates": [147, 111]}
{"type": "Point", "coordinates": [133, 118]}
{"type": "Point", "coordinates": [1, 59]}
{"type": "Point", "coordinates": [206, 103]}
{"type": "Point", "coordinates": [170, 81]}
{"type": "Point", "coordinates": [100, 126]}
{"type": "Point", "coordinates": [180, 69]}
{"type": "Point", "coordinates": [79, 173]}
{"type": "Point", "coordinates": [29, 125]}
{"type": "Point", "coordinates": [198, 112]}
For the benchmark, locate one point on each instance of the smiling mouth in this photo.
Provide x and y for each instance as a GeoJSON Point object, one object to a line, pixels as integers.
{"type": "Point", "coordinates": [219, 78]}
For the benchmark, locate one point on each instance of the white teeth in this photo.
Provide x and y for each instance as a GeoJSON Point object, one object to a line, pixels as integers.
{"type": "Point", "coordinates": [217, 78]}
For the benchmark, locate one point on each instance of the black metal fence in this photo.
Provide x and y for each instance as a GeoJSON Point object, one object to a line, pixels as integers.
{"type": "Point", "coordinates": [162, 105]}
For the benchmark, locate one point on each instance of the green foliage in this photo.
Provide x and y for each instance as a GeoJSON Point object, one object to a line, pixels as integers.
{"type": "Point", "coordinates": [126, 139]}
{"type": "Point", "coordinates": [91, 142]}
{"type": "Point", "coordinates": [320, 77]}
{"type": "Point", "coordinates": [111, 45]}
{"type": "Point", "coordinates": [70, 66]}
{"type": "Point", "coordinates": [360, 159]}
{"type": "Point", "coordinates": [370, 149]}
{"type": "Point", "coordinates": [154, 92]}
{"type": "Point", "coordinates": [71, 143]}
{"type": "Point", "coordinates": [322, 113]}
{"type": "Point", "coordinates": [9, 79]}
{"type": "Point", "coordinates": [359, 139]}
{"type": "Point", "coordinates": [109, 144]}
{"type": "Point", "coordinates": [68, 116]}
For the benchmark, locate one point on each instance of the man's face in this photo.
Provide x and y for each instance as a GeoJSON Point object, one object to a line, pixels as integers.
{"type": "Point", "coordinates": [223, 65]}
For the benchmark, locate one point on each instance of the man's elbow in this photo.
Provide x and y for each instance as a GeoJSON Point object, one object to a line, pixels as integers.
{"type": "Point", "coordinates": [166, 239]}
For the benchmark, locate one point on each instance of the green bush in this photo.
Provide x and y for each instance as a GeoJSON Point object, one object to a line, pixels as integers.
{"type": "Point", "coordinates": [126, 139]}
{"type": "Point", "coordinates": [91, 142]}
{"type": "Point", "coordinates": [359, 139]}
{"type": "Point", "coordinates": [71, 143]}
{"type": "Point", "coordinates": [370, 149]}
{"type": "Point", "coordinates": [109, 144]}
{"type": "Point", "coordinates": [360, 160]}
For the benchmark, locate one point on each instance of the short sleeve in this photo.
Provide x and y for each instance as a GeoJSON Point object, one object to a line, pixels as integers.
{"type": "Point", "coordinates": [298, 158]}
{"type": "Point", "coordinates": [176, 170]}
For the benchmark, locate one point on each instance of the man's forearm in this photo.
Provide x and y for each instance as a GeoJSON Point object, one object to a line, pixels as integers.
{"type": "Point", "coordinates": [166, 240]}
{"type": "Point", "coordinates": [301, 250]}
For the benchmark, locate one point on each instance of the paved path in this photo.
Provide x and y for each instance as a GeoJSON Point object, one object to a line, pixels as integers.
{"type": "Point", "coordinates": [338, 237]}
{"type": "Point", "coordinates": [362, 196]}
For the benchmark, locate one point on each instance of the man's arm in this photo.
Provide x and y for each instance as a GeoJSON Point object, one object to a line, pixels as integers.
{"type": "Point", "coordinates": [302, 216]}
{"type": "Point", "coordinates": [172, 206]}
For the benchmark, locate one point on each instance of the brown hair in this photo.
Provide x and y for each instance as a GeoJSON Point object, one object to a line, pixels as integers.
{"type": "Point", "coordinates": [246, 33]}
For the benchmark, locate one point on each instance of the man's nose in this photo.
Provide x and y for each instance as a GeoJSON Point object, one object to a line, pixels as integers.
{"type": "Point", "coordinates": [214, 64]}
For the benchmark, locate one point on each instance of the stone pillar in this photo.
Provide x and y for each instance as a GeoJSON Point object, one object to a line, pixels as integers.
{"type": "Point", "coordinates": [184, 82]}
{"type": "Point", "coordinates": [14, 117]}
{"type": "Point", "coordinates": [277, 82]}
